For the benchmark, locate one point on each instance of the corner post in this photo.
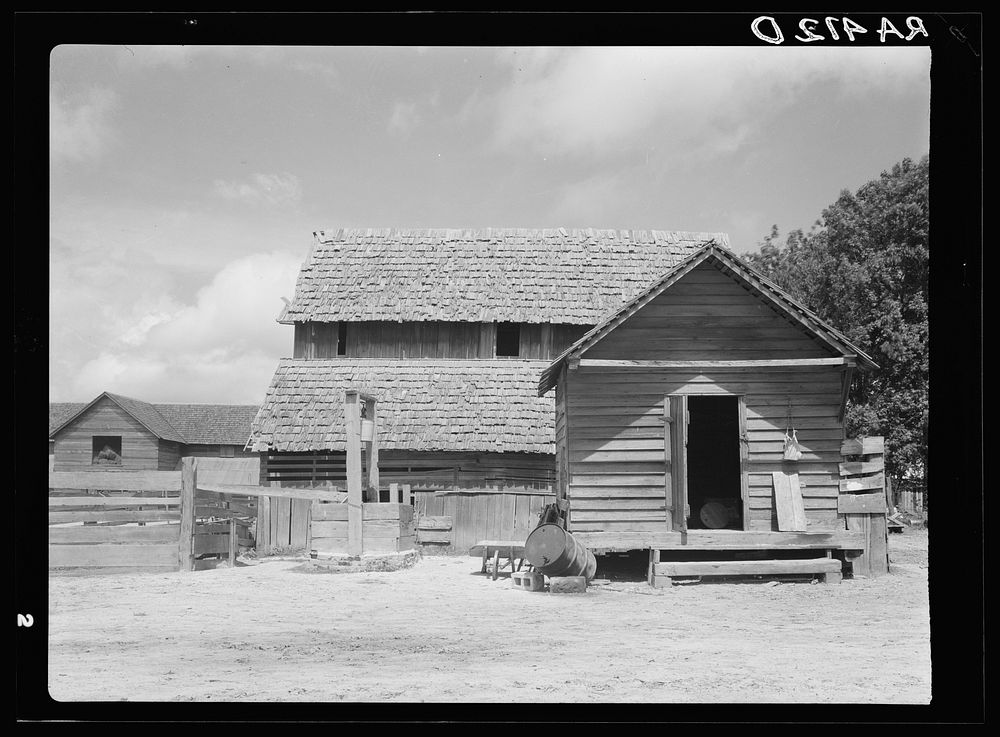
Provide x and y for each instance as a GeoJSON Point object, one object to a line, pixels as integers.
{"type": "Point", "coordinates": [352, 413]}
{"type": "Point", "coordinates": [189, 483]}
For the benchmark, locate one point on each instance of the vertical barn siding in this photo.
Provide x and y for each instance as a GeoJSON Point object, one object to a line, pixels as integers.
{"type": "Point", "coordinates": [170, 456]}
{"type": "Point", "coordinates": [420, 469]}
{"type": "Point", "coordinates": [616, 451]}
{"type": "Point", "coordinates": [429, 340]}
{"type": "Point", "coordinates": [74, 443]}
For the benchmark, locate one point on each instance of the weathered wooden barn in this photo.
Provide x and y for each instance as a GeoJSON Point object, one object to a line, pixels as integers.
{"type": "Point", "coordinates": [671, 415]}
{"type": "Point", "coordinates": [117, 432]}
{"type": "Point", "coordinates": [450, 330]}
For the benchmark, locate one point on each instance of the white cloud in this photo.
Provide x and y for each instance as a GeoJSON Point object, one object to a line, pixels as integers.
{"type": "Point", "coordinates": [223, 347]}
{"type": "Point", "coordinates": [597, 100]}
{"type": "Point", "coordinates": [262, 189]}
{"type": "Point", "coordinates": [404, 118]}
{"type": "Point", "coordinates": [80, 129]}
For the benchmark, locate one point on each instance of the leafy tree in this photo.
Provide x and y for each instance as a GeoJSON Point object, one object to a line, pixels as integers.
{"type": "Point", "coordinates": [863, 267]}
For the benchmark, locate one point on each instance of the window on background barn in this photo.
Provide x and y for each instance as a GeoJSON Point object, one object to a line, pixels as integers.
{"type": "Point", "coordinates": [227, 451]}
{"type": "Point", "coordinates": [106, 450]}
{"type": "Point", "coordinates": [342, 339]}
{"type": "Point", "coordinates": [508, 339]}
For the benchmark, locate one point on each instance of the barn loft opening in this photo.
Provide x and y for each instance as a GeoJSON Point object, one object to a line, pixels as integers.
{"type": "Point", "coordinates": [106, 450]}
{"type": "Point", "coordinates": [508, 339]}
{"type": "Point", "coordinates": [342, 339]}
{"type": "Point", "coordinates": [713, 454]}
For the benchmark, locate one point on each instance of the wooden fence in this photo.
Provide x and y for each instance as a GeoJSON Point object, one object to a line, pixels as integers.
{"type": "Point", "coordinates": [862, 501]}
{"type": "Point", "coordinates": [144, 521]}
{"type": "Point", "coordinates": [454, 520]}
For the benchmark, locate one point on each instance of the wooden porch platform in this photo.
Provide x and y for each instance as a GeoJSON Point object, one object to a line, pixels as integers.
{"type": "Point", "coordinates": [601, 542]}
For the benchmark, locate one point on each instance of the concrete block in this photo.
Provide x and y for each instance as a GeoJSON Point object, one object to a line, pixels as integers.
{"type": "Point", "coordinates": [527, 580]}
{"type": "Point", "coordinates": [568, 585]}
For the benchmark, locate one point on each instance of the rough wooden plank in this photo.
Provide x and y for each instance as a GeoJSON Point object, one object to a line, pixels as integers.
{"type": "Point", "coordinates": [860, 484]}
{"type": "Point", "coordinates": [721, 540]}
{"type": "Point", "coordinates": [262, 530]}
{"type": "Point", "coordinates": [434, 523]}
{"type": "Point", "coordinates": [862, 446]}
{"type": "Point", "coordinates": [753, 363]}
{"type": "Point", "coordinates": [386, 510]}
{"type": "Point", "coordinates": [133, 480]}
{"type": "Point", "coordinates": [788, 503]}
{"type": "Point", "coordinates": [124, 555]}
{"type": "Point", "coordinates": [299, 522]}
{"type": "Point", "coordinates": [434, 536]}
{"type": "Point", "coordinates": [210, 544]}
{"type": "Point", "coordinates": [112, 501]}
{"type": "Point", "coordinates": [352, 414]}
{"type": "Point", "coordinates": [272, 491]}
{"type": "Point", "coordinates": [189, 483]}
{"type": "Point", "coordinates": [97, 534]}
{"type": "Point", "coordinates": [746, 567]}
{"type": "Point", "coordinates": [855, 468]}
{"type": "Point", "coordinates": [861, 503]}
{"type": "Point", "coordinates": [134, 515]}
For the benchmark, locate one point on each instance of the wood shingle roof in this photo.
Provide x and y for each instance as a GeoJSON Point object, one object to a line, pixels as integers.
{"type": "Point", "coordinates": [474, 405]}
{"type": "Point", "coordinates": [190, 424]}
{"type": "Point", "coordinates": [486, 275]}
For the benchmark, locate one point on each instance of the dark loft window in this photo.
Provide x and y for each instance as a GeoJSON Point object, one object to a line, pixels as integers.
{"type": "Point", "coordinates": [342, 339]}
{"type": "Point", "coordinates": [107, 450]}
{"type": "Point", "coordinates": [508, 339]}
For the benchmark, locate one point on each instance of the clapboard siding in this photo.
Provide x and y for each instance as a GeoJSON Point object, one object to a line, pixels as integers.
{"type": "Point", "coordinates": [429, 339]}
{"type": "Point", "coordinates": [704, 315]}
{"type": "Point", "coordinates": [613, 417]}
{"type": "Point", "coordinates": [623, 452]}
{"type": "Point", "coordinates": [74, 444]}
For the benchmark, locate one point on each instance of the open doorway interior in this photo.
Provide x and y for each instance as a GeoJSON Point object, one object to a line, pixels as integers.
{"type": "Point", "coordinates": [713, 463]}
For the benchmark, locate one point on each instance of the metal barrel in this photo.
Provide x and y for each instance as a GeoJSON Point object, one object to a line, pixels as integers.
{"type": "Point", "coordinates": [555, 552]}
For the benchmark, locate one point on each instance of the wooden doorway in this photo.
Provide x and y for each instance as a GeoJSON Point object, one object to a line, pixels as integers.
{"type": "Point", "coordinates": [706, 462]}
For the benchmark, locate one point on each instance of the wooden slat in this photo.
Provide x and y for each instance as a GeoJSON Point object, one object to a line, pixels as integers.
{"type": "Point", "coordinates": [620, 504]}
{"type": "Point", "coordinates": [861, 503]}
{"type": "Point", "coordinates": [433, 536]}
{"type": "Point", "coordinates": [746, 567]}
{"type": "Point", "coordinates": [606, 515]}
{"type": "Point", "coordinates": [144, 515]}
{"type": "Point", "coordinates": [720, 540]}
{"type": "Point", "coordinates": [329, 511]}
{"type": "Point", "coordinates": [854, 468]}
{"type": "Point", "coordinates": [136, 480]}
{"type": "Point", "coordinates": [272, 491]}
{"type": "Point", "coordinates": [210, 544]}
{"type": "Point", "coordinates": [434, 523]}
{"type": "Point", "coordinates": [753, 363]}
{"type": "Point", "coordinates": [862, 446]}
{"type": "Point", "coordinates": [55, 503]}
{"type": "Point", "coordinates": [96, 534]}
{"type": "Point", "coordinates": [124, 555]}
{"type": "Point", "coordinates": [860, 484]}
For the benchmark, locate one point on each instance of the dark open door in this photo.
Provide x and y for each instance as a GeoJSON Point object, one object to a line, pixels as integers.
{"type": "Point", "coordinates": [675, 415]}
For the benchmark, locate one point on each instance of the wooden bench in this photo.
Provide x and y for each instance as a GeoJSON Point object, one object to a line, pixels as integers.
{"type": "Point", "coordinates": [828, 568]}
{"type": "Point", "coordinates": [493, 550]}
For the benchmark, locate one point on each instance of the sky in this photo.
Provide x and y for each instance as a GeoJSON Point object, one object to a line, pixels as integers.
{"type": "Point", "coordinates": [186, 181]}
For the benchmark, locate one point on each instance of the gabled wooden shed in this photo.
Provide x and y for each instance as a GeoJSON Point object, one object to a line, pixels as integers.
{"type": "Point", "coordinates": [671, 414]}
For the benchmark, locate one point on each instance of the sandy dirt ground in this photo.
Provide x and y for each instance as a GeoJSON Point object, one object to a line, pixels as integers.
{"type": "Point", "coordinates": [441, 632]}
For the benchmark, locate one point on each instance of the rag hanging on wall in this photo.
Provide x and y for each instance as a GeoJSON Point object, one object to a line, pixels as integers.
{"type": "Point", "coordinates": [793, 451]}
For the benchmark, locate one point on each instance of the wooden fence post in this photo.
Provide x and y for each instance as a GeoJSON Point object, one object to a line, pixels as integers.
{"type": "Point", "coordinates": [371, 450]}
{"type": "Point", "coordinates": [352, 415]}
{"type": "Point", "coordinates": [185, 544]}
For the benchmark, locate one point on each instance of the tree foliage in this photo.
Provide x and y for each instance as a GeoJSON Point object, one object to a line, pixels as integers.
{"type": "Point", "coordinates": [864, 269]}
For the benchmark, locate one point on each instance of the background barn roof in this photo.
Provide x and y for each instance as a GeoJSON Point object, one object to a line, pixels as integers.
{"type": "Point", "coordinates": [427, 405]}
{"type": "Point", "coordinates": [207, 424]}
{"type": "Point", "coordinates": [488, 275]}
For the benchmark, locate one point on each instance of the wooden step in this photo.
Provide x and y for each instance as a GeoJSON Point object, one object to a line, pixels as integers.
{"type": "Point", "coordinates": [828, 568]}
